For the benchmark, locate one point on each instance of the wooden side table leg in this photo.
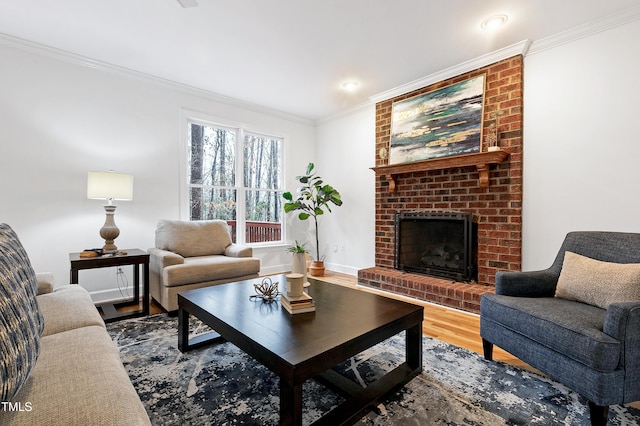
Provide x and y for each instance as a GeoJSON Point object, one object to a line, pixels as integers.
{"type": "Point", "coordinates": [145, 295]}
{"type": "Point", "coordinates": [136, 282]}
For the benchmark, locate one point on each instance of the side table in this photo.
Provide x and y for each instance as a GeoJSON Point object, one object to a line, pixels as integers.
{"type": "Point", "coordinates": [135, 257]}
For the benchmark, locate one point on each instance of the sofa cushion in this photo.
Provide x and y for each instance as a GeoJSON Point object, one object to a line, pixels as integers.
{"type": "Point", "coordinates": [21, 322]}
{"type": "Point", "coordinates": [598, 283]}
{"type": "Point", "coordinates": [68, 307]}
{"type": "Point", "coordinates": [209, 268]}
{"type": "Point", "coordinates": [79, 380]}
{"type": "Point", "coordinates": [196, 238]}
{"type": "Point", "coordinates": [571, 328]}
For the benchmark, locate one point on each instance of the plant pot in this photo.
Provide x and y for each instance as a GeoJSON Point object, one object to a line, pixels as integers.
{"type": "Point", "coordinates": [300, 265]}
{"type": "Point", "coordinates": [317, 268]}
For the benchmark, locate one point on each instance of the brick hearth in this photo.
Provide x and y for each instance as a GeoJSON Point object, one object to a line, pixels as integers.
{"type": "Point", "coordinates": [457, 295]}
{"type": "Point", "coordinates": [497, 209]}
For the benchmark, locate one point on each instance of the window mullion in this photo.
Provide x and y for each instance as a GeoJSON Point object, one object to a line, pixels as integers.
{"type": "Point", "coordinates": [241, 215]}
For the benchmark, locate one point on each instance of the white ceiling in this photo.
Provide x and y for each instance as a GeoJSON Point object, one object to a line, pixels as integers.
{"type": "Point", "coordinates": [292, 55]}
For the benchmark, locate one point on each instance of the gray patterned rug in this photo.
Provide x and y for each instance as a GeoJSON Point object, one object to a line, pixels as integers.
{"type": "Point", "coordinates": [221, 385]}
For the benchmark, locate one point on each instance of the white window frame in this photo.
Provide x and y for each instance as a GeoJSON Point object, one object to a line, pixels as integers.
{"type": "Point", "coordinates": [186, 118]}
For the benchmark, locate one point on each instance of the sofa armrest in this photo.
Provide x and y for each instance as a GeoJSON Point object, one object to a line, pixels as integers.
{"type": "Point", "coordinates": [622, 322]}
{"type": "Point", "coordinates": [45, 282]}
{"type": "Point", "coordinates": [238, 250]}
{"type": "Point", "coordinates": [164, 258]}
{"type": "Point", "coordinates": [527, 284]}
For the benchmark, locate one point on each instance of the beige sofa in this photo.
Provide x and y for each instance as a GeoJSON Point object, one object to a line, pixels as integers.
{"type": "Point", "coordinates": [190, 255]}
{"type": "Point", "coordinates": [68, 374]}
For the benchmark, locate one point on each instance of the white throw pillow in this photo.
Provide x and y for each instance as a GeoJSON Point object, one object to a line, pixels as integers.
{"type": "Point", "coordinates": [596, 282]}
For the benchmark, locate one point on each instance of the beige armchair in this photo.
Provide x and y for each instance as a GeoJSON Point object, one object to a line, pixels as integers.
{"type": "Point", "coordinates": [190, 255]}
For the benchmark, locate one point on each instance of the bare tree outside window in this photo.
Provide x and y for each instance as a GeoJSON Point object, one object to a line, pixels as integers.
{"type": "Point", "coordinates": [215, 176]}
{"type": "Point", "coordinates": [262, 177]}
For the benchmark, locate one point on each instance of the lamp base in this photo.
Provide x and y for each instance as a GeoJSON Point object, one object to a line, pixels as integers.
{"type": "Point", "coordinates": [109, 230]}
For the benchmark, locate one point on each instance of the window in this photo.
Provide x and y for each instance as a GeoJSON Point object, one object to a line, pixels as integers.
{"type": "Point", "coordinates": [235, 175]}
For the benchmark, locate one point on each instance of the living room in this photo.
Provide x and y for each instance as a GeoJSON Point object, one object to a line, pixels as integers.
{"type": "Point", "coordinates": [65, 114]}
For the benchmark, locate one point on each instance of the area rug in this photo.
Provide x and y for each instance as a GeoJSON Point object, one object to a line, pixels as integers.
{"type": "Point", "coordinates": [221, 385]}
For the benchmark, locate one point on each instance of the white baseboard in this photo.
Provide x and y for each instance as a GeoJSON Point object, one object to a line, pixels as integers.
{"type": "Point", "coordinates": [271, 270]}
{"type": "Point", "coordinates": [349, 270]}
{"type": "Point", "coordinates": [112, 295]}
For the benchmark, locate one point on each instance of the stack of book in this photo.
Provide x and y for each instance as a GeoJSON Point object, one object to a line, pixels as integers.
{"type": "Point", "coordinates": [298, 304]}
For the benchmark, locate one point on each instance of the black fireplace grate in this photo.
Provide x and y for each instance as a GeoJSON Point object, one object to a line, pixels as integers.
{"type": "Point", "coordinates": [442, 244]}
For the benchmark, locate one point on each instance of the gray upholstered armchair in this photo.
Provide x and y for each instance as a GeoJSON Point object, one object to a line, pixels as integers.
{"type": "Point", "coordinates": [578, 321]}
{"type": "Point", "coordinates": [190, 255]}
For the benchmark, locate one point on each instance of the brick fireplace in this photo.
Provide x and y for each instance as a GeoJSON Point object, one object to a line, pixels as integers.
{"type": "Point", "coordinates": [490, 190]}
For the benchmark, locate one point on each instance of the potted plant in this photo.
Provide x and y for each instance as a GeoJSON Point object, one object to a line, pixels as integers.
{"type": "Point", "coordinates": [313, 197]}
{"type": "Point", "coordinates": [299, 251]}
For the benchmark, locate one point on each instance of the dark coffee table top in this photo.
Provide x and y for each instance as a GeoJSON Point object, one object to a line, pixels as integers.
{"type": "Point", "coordinates": [342, 317]}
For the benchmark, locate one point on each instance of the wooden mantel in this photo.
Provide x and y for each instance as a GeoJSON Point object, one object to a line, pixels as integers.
{"type": "Point", "coordinates": [481, 161]}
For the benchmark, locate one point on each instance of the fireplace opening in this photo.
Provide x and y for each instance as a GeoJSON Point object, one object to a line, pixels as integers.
{"type": "Point", "coordinates": [442, 244]}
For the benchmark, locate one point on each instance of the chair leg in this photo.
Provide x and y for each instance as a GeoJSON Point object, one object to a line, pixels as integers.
{"type": "Point", "coordinates": [599, 414]}
{"type": "Point", "coordinates": [487, 348]}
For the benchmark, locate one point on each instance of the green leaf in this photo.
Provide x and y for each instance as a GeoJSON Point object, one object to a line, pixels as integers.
{"type": "Point", "coordinates": [289, 207]}
{"type": "Point", "coordinates": [303, 216]}
{"type": "Point", "coordinates": [287, 196]}
{"type": "Point", "coordinates": [310, 168]}
{"type": "Point", "coordinates": [318, 211]}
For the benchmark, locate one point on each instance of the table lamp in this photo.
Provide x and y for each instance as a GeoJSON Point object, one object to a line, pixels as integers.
{"type": "Point", "coordinates": [109, 186]}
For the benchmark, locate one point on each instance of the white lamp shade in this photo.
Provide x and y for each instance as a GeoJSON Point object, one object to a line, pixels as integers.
{"type": "Point", "coordinates": [109, 185]}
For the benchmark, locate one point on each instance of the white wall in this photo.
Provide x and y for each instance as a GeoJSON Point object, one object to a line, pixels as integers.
{"type": "Point", "coordinates": [581, 144]}
{"type": "Point", "coordinates": [60, 119]}
{"type": "Point", "coordinates": [345, 152]}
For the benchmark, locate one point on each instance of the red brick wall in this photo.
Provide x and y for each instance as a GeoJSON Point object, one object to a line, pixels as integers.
{"type": "Point", "coordinates": [497, 209]}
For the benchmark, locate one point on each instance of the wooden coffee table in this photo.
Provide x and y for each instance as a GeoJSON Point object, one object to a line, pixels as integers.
{"type": "Point", "coordinates": [306, 346]}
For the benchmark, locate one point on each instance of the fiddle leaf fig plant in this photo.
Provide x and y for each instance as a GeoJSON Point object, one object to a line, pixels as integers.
{"type": "Point", "coordinates": [313, 197]}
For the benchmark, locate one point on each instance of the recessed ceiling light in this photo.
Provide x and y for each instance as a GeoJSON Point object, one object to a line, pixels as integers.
{"type": "Point", "coordinates": [494, 22]}
{"type": "Point", "coordinates": [350, 86]}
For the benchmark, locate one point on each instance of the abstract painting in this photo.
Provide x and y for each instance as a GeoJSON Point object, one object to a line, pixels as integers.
{"type": "Point", "coordinates": [437, 124]}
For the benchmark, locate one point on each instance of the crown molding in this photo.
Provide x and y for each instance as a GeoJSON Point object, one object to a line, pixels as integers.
{"type": "Point", "coordinates": [83, 61]}
{"type": "Point", "coordinates": [473, 64]}
{"type": "Point", "coordinates": [585, 30]}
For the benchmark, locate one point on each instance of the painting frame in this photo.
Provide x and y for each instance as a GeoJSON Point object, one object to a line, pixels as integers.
{"type": "Point", "coordinates": [444, 122]}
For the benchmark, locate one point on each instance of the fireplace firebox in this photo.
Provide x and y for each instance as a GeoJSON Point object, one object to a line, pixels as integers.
{"type": "Point", "coordinates": [442, 244]}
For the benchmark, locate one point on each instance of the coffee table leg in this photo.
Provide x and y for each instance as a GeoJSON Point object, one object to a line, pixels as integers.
{"type": "Point", "coordinates": [290, 404]}
{"type": "Point", "coordinates": [183, 330]}
{"type": "Point", "coordinates": [413, 347]}
{"type": "Point", "coordinates": [184, 342]}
